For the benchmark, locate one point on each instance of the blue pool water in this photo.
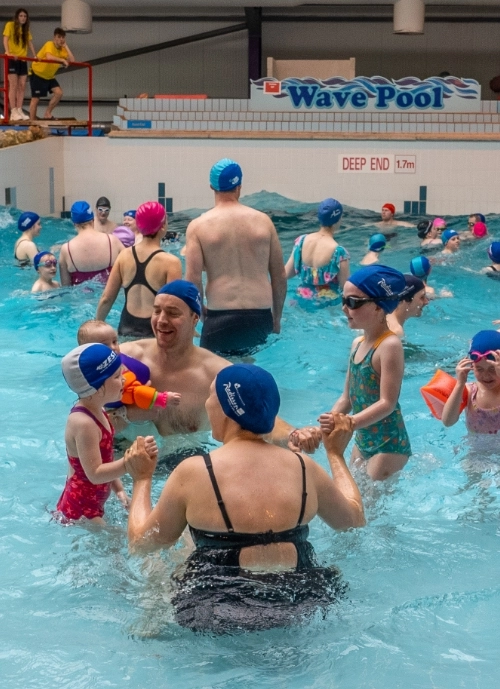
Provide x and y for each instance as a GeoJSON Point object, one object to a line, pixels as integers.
{"type": "Point", "coordinates": [424, 600]}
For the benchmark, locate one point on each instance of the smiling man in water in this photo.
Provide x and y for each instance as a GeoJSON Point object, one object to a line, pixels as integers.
{"type": "Point", "coordinates": [175, 363]}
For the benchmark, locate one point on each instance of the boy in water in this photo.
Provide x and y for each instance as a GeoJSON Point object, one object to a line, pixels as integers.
{"type": "Point", "coordinates": [45, 265]}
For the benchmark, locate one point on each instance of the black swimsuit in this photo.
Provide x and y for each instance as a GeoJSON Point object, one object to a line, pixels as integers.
{"type": "Point", "coordinates": [231, 542]}
{"type": "Point", "coordinates": [214, 594]}
{"type": "Point", "coordinates": [130, 325]}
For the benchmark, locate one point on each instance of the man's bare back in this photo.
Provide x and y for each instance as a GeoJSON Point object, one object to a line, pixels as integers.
{"type": "Point", "coordinates": [235, 245]}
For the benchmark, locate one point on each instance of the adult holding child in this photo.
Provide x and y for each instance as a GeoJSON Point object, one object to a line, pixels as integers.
{"type": "Point", "coordinates": [244, 530]}
{"type": "Point", "coordinates": [16, 41]}
{"type": "Point", "coordinates": [91, 254]}
{"type": "Point", "coordinates": [141, 270]}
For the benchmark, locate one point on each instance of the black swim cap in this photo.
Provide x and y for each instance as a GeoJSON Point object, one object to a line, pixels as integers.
{"type": "Point", "coordinates": [103, 201]}
{"type": "Point", "coordinates": [413, 285]}
{"type": "Point", "coordinates": [423, 228]}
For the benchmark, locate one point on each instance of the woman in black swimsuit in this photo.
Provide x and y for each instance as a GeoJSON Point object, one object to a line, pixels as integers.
{"type": "Point", "coordinates": [141, 270]}
{"type": "Point", "coordinates": [248, 506]}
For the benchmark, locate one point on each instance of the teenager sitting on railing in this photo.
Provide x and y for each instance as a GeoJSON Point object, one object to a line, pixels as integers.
{"type": "Point", "coordinates": [42, 78]}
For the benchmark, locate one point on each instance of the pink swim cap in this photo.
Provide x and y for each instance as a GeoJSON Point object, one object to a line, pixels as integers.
{"type": "Point", "coordinates": [125, 235]}
{"type": "Point", "coordinates": [438, 222]}
{"type": "Point", "coordinates": [150, 217]}
{"type": "Point", "coordinates": [479, 230]}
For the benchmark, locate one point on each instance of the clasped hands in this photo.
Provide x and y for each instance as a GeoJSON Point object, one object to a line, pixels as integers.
{"type": "Point", "coordinates": [141, 458]}
{"type": "Point", "coordinates": [335, 430]}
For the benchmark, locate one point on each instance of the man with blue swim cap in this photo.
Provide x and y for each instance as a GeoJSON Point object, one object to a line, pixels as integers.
{"type": "Point", "coordinates": [25, 248]}
{"type": "Point", "coordinates": [451, 241]}
{"type": "Point", "coordinates": [239, 250]}
{"type": "Point", "coordinates": [172, 357]}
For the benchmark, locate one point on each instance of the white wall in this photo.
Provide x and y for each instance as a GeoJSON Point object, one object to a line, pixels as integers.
{"type": "Point", "coordinates": [460, 177]}
{"type": "Point", "coordinates": [27, 168]}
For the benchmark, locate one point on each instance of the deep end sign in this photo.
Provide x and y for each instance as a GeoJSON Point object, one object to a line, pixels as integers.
{"type": "Point", "coordinates": [372, 94]}
{"type": "Point", "coordinates": [388, 163]}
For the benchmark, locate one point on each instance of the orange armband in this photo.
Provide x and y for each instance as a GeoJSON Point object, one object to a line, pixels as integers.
{"type": "Point", "coordinates": [437, 392]}
{"type": "Point", "coordinates": [144, 396]}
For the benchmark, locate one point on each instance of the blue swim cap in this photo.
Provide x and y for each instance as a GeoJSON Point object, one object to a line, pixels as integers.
{"type": "Point", "coordinates": [248, 395]}
{"type": "Point", "coordinates": [186, 291]}
{"type": "Point", "coordinates": [81, 212]}
{"type": "Point", "coordinates": [225, 175]}
{"type": "Point", "coordinates": [447, 235]}
{"type": "Point", "coordinates": [420, 266]}
{"type": "Point", "coordinates": [27, 220]}
{"type": "Point", "coordinates": [384, 284]}
{"type": "Point", "coordinates": [131, 214]}
{"type": "Point", "coordinates": [480, 217]}
{"type": "Point", "coordinates": [329, 212]}
{"type": "Point", "coordinates": [494, 252]}
{"type": "Point", "coordinates": [377, 242]}
{"type": "Point", "coordinates": [38, 257]}
{"type": "Point", "coordinates": [485, 341]}
{"type": "Point", "coordinates": [88, 367]}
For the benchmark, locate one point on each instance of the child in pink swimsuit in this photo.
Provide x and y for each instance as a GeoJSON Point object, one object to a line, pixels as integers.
{"type": "Point", "coordinates": [482, 413]}
{"type": "Point", "coordinates": [93, 372]}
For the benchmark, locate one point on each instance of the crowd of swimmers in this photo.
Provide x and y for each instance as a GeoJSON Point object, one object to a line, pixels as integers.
{"type": "Point", "coordinates": [247, 503]}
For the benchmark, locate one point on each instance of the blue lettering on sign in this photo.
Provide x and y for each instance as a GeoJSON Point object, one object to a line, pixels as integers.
{"type": "Point", "coordinates": [303, 93]}
{"type": "Point", "coordinates": [312, 96]}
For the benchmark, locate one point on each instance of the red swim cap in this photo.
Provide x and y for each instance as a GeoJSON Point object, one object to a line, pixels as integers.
{"type": "Point", "coordinates": [150, 217]}
{"type": "Point", "coordinates": [390, 206]}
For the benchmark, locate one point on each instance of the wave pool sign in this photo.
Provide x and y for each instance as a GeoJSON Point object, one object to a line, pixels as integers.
{"type": "Point", "coordinates": [369, 94]}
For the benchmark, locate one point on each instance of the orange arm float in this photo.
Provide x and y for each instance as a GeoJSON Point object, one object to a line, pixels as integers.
{"type": "Point", "coordinates": [143, 396]}
{"type": "Point", "coordinates": [437, 392]}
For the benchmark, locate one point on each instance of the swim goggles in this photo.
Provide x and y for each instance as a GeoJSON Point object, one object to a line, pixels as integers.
{"type": "Point", "coordinates": [103, 209]}
{"type": "Point", "coordinates": [51, 263]}
{"type": "Point", "coordinates": [477, 356]}
{"type": "Point", "coordinates": [354, 303]}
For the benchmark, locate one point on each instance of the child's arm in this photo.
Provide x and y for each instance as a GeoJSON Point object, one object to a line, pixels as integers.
{"type": "Point", "coordinates": [451, 409]}
{"type": "Point", "coordinates": [343, 404]}
{"type": "Point", "coordinates": [119, 490]}
{"type": "Point", "coordinates": [391, 375]}
{"type": "Point", "coordinates": [87, 437]}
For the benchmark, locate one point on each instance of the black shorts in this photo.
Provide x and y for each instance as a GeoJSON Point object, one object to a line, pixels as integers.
{"type": "Point", "coordinates": [18, 67]}
{"type": "Point", "coordinates": [236, 331]}
{"type": "Point", "coordinates": [40, 87]}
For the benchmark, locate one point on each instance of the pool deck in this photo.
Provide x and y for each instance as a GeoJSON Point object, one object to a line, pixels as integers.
{"type": "Point", "coordinates": [301, 136]}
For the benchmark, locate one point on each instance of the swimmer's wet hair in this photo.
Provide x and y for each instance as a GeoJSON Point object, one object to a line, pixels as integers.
{"type": "Point", "coordinates": [84, 334]}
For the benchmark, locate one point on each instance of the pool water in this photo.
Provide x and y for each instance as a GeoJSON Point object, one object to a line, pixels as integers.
{"type": "Point", "coordinates": [423, 604]}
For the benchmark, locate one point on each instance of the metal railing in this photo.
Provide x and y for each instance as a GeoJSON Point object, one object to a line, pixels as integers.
{"type": "Point", "coordinates": [5, 87]}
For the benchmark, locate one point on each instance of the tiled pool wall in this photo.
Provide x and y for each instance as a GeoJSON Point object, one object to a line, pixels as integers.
{"type": "Point", "coordinates": [439, 178]}
{"type": "Point", "coordinates": [234, 115]}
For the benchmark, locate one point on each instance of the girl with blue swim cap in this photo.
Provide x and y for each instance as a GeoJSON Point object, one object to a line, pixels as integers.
{"type": "Point", "coordinates": [94, 373]}
{"type": "Point", "coordinates": [482, 413]}
{"type": "Point", "coordinates": [375, 373]}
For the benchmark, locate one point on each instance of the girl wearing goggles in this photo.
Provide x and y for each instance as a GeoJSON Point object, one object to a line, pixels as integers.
{"type": "Point", "coordinates": [375, 372]}
{"type": "Point", "coordinates": [482, 413]}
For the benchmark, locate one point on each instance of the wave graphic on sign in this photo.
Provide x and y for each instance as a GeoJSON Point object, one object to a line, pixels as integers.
{"type": "Point", "coordinates": [452, 86]}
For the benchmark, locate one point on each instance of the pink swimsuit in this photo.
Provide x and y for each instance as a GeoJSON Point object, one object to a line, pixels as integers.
{"type": "Point", "coordinates": [79, 276]}
{"type": "Point", "coordinates": [80, 497]}
{"type": "Point", "coordinates": [480, 420]}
